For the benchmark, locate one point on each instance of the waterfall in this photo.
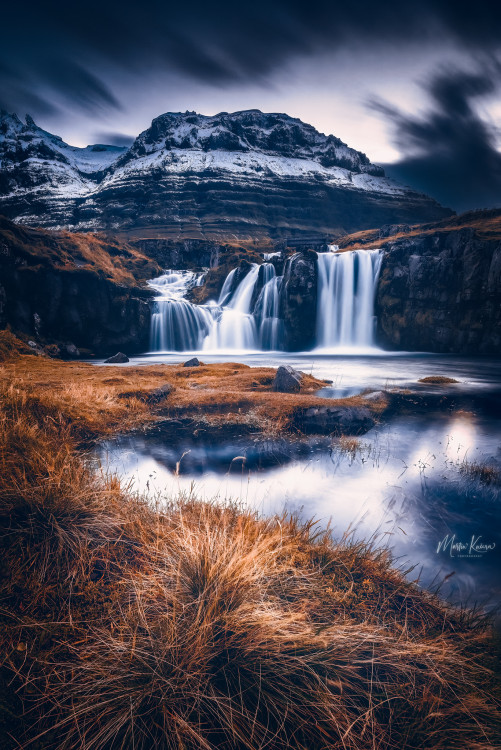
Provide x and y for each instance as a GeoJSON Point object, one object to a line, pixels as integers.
{"type": "Point", "coordinates": [266, 311]}
{"type": "Point", "coordinates": [176, 324]}
{"type": "Point", "coordinates": [345, 303]}
{"type": "Point", "coordinates": [246, 316]}
{"type": "Point", "coordinates": [234, 326]}
{"type": "Point", "coordinates": [236, 322]}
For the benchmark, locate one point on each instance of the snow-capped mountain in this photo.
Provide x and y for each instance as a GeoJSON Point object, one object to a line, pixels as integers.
{"type": "Point", "coordinates": [243, 174]}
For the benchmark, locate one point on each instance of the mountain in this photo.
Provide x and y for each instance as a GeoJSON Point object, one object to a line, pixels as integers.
{"type": "Point", "coordinates": [243, 175]}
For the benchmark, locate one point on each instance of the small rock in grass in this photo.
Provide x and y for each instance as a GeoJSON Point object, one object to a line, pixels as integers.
{"type": "Point", "coordinates": [118, 359]}
{"type": "Point", "coordinates": [287, 380]}
{"type": "Point", "coordinates": [159, 394]}
{"type": "Point", "coordinates": [193, 362]}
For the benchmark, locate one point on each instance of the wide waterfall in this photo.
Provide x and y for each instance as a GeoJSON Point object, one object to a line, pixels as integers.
{"type": "Point", "coordinates": [346, 291]}
{"type": "Point", "coordinates": [246, 317]}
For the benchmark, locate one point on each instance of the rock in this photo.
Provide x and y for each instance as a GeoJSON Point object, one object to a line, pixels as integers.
{"type": "Point", "coordinates": [298, 301]}
{"type": "Point", "coordinates": [193, 362]}
{"type": "Point", "coordinates": [335, 420]}
{"type": "Point", "coordinates": [287, 380]}
{"type": "Point", "coordinates": [118, 359]}
{"type": "Point", "coordinates": [33, 344]}
{"type": "Point", "coordinates": [439, 292]}
{"type": "Point", "coordinates": [71, 350]}
{"type": "Point", "coordinates": [159, 394]}
{"type": "Point", "coordinates": [53, 351]}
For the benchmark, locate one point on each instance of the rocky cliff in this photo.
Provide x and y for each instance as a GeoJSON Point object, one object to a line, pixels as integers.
{"type": "Point", "coordinates": [440, 284]}
{"type": "Point", "coordinates": [77, 290]}
{"type": "Point", "coordinates": [242, 175]}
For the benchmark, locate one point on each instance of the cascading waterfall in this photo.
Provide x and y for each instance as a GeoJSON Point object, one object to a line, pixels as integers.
{"type": "Point", "coordinates": [346, 291]}
{"type": "Point", "coordinates": [234, 326]}
{"type": "Point", "coordinates": [236, 322]}
{"type": "Point", "coordinates": [266, 310]}
{"type": "Point", "coordinates": [176, 324]}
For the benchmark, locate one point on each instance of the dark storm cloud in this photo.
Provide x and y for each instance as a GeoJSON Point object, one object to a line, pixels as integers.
{"type": "Point", "coordinates": [450, 152]}
{"type": "Point", "coordinates": [58, 46]}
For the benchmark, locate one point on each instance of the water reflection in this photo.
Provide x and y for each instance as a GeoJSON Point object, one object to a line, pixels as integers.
{"type": "Point", "coordinates": [407, 482]}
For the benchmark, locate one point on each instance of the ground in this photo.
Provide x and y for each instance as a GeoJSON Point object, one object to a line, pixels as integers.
{"type": "Point", "coordinates": [187, 625]}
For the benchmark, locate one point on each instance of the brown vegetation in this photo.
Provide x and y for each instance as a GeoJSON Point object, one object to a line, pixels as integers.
{"type": "Point", "coordinates": [437, 380]}
{"type": "Point", "coordinates": [106, 256]}
{"type": "Point", "coordinates": [192, 626]}
{"type": "Point", "coordinates": [95, 401]}
{"type": "Point", "coordinates": [483, 472]}
{"type": "Point", "coordinates": [486, 225]}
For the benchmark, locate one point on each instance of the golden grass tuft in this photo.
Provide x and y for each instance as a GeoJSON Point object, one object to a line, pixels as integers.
{"type": "Point", "coordinates": [437, 380]}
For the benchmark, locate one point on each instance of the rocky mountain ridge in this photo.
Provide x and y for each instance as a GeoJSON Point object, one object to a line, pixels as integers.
{"type": "Point", "coordinates": [245, 174]}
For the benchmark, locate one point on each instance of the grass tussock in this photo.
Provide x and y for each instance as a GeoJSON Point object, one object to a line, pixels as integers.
{"type": "Point", "coordinates": [12, 347]}
{"type": "Point", "coordinates": [484, 473]}
{"type": "Point", "coordinates": [437, 380]}
{"type": "Point", "coordinates": [193, 626]}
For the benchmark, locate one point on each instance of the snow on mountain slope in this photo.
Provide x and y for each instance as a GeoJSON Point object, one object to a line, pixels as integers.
{"type": "Point", "coordinates": [195, 175]}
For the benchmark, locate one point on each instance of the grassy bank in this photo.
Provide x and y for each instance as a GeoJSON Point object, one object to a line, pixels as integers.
{"type": "Point", "coordinates": [96, 402]}
{"type": "Point", "coordinates": [191, 626]}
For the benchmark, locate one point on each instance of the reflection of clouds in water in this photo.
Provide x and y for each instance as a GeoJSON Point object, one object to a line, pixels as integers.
{"type": "Point", "coordinates": [402, 485]}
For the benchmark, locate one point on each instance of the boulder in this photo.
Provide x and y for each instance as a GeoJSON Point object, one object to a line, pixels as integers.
{"type": "Point", "coordinates": [193, 362]}
{"type": "Point", "coordinates": [118, 359]}
{"type": "Point", "coordinates": [287, 380]}
{"type": "Point", "coordinates": [159, 394]}
{"type": "Point", "coordinates": [70, 350]}
{"type": "Point", "coordinates": [335, 420]}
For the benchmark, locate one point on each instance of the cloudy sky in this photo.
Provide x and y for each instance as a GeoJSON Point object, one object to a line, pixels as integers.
{"type": "Point", "coordinates": [416, 86]}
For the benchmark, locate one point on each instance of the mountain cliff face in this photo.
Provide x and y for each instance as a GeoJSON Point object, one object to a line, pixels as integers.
{"type": "Point", "coordinates": [245, 174]}
{"type": "Point", "coordinates": [82, 290]}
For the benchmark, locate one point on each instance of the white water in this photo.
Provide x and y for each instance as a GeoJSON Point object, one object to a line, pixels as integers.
{"type": "Point", "coordinates": [346, 291]}
{"type": "Point", "coordinates": [239, 321]}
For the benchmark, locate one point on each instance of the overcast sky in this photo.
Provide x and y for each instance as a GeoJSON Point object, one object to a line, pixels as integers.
{"type": "Point", "coordinates": [416, 86]}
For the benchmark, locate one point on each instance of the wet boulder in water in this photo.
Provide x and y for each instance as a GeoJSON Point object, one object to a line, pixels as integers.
{"type": "Point", "coordinates": [193, 362]}
{"type": "Point", "coordinates": [287, 380]}
{"type": "Point", "coordinates": [118, 359]}
{"type": "Point", "coordinates": [335, 420]}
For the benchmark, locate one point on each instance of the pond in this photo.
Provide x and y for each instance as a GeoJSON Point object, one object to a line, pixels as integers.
{"type": "Point", "coordinates": [426, 485]}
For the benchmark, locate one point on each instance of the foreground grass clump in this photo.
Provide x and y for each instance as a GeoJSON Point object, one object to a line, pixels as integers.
{"type": "Point", "coordinates": [194, 626]}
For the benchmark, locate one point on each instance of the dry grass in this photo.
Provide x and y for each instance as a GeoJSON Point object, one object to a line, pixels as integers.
{"type": "Point", "coordinates": [437, 380]}
{"type": "Point", "coordinates": [117, 261]}
{"type": "Point", "coordinates": [95, 401]}
{"type": "Point", "coordinates": [199, 627]}
{"type": "Point", "coordinates": [487, 226]}
{"type": "Point", "coordinates": [483, 472]}
{"type": "Point", "coordinates": [11, 346]}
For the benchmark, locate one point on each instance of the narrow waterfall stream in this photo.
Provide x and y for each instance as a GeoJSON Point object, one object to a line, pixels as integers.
{"type": "Point", "coordinates": [246, 316]}
{"type": "Point", "coordinates": [346, 291]}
